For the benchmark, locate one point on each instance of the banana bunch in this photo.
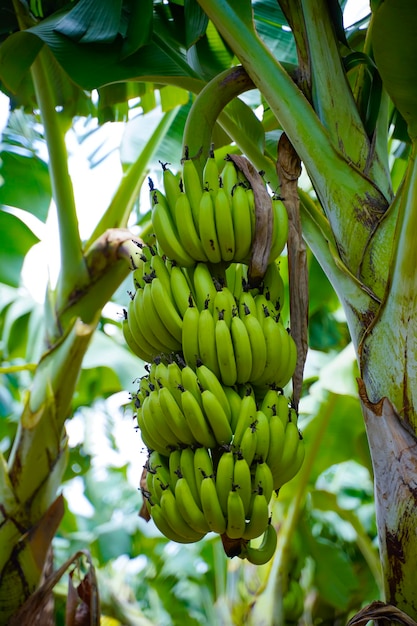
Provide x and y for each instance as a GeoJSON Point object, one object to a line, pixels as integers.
{"type": "Point", "coordinates": [188, 496]}
{"type": "Point", "coordinates": [212, 220]}
{"type": "Point", "coordinates": [216, 455]}
{"type": "Point", "coordinates": [221, 436]}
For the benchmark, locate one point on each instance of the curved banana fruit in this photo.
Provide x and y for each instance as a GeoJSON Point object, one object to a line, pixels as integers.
{"type": "Point", "coordinates": [224, 478]}
{"type": "Point", "coordinates": [242, 349]}
{"type": "Point", "coordinates": [187, 231]}
{"type": "Point", "coordinates": [224, 225]}
{"type": "Point", "coordinates": [279, 229]}
{"type": "Point", "coordinates": [229, 177]}
{"type": "Point", "coordinates": [190, 345]}
{"type": "Point", "coordinates": [225, 353]}
{"type": "Point", "coordinates": [188, 507]}
{"type": "Point", "coordinates": [210, 381]}
{"type": "Point", "coordinates": [259, 517]}
{"type": "Point", "coordinates": [236, 520]}
{"type": "Point", "coordinates": [175, 520]}
{"type": "Point", "coordinates": [204, 288]}
{"type": "Point", "coordinates": [265, 552]}
{"type": "Point", "coordinates": [216, 417]}
{"type": "Point", "coordinates": [211, 176]}
{"type": "Point", "coordinates": [207, 341]}
{"type": "Point", "coordinates": [242, 224]}
{"type": "Point", "coordinates": [242, 479]}
{"type": "Point", "coordinates": [207, 228]}
{"type": "Point", "coordinates": [196, 420]}
{"type": "Point", "coordinates": [166, 309]}
{"type": "Point", "coordinates": [192, 187]}
{"type": "Point", "coordinates": [211, 506]}
{"type": "Point", "coordinates": [167, 235]}
{"type": "Point", "coordinates": [180, 289]}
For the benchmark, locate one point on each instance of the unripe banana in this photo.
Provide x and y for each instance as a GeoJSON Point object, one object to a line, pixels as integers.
{"type": "Point", "coordinates": [235, 402]}
{"type": "Point", "coordinates": [204, 288]}
{"type": "Point", "coordinates": [263, 435]}
{"type": "Point", "coordinates": [192, 187]}
{"type": "Point", "coordinates": [246, 304]}
{"type": "Point", "coordinates": [211, 176]}
{"type": "Point", "coordinates": [161, 523]}
{"type": "Point", "coordinates": [225, 353]}
{"type": "Point", "coordinates": [196, 420]}
{"type": "Point", "coordinates": [167, 235]}
{"type": "Point", "coordinates": [188, 472]}
{"type": "Point", "coordinates": [171, 186]}
{"type": "Point", "coordinates": [264, 553]}
{"type": "Point", "coordinates": [292, 456]}
{"type": "Point", "coordinates": [229, 177]}
{"type": "Point", "coordinates": [210, 381]}
{"type": "Point", "coordinates": [279, 229]}
{"type": "Point", "coordinates": [259, 517]}
{"type": "Point", "coordinates": [276, 351]}
{"type": "Point", "coordinates": [174, 518]}
{"type": "Point", "coordinates": [175, 417]}
{"type": "Point", "coordinates": [190, 383]}
{"type": "Point", "coordinates": [224, 224]}
{"type": "Point", "coordinates": [180, 290]}
{"type": "Point", "coordinates": [147, 438]}
{"type": "Point", "coordinates": [155, 322]}
{"type": "Point", "coordinates": [174, 377]}
{"type": "Point", "coordinates": [276, 447]}
{"type": "Point", "coordinates": [216, 417]}
{"type": "Point", "coordinates": [166, 309]}
{"type": "Point", "coordinates": [257, 345]}
{"type": "Point", "coordinates": [190, 347]}
{"type": "Point", "coordinates": [263, 479]}
{"type": "Point", "coordinates": [242, 224]}
{"type": "Point", "coordinates": [242, 349]}
{"type": "Point", "coordinates": [235, 515]}
{"type": "Point", "coordinates": [242, 478]}
{"type": "Point", "coordinates": [189, 508]}
{"type": "Point", "coordinates": [248, 443]}
{"type": "Point", "coordinates": [155, 422]}
{"type": "Point", "coordinates": [174, 466]}
{"type": "Point", "coordinates": [224, 305]}
{"type": "Point", "coordinates": [224, 477]}
{"type": "Point", "coordinates": [138, 325]}
{"type": "Point", "coordinates": [207, 340]}
{"type": "Point", "coordinates": [273, 286]}
{"type": "Point", "coordinates": [159, 269]}
{"type": "Point", "coordinates": [207, 228]}
{"type": "Point", "coordinates": [139, 350]}
{"type": "Point", "coordinates": [211, 506]}
{"type": "Point", "coordinates": [287, 372]}
{"type": "Point", "coordinates": [247, 417]}
{"type": "Point", "coordinates": [187, 231]}
{"type": "Point", "coordinates": [203, 465]}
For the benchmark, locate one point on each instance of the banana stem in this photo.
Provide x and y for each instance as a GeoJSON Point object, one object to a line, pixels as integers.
{"type": "Point", "coordinates": [206, 109]}
{"type": "Point", "coordinates": [72, 265]}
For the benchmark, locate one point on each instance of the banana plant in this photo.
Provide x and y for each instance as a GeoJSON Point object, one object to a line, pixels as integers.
{"type": "Point", "coordinates": [337, 102]}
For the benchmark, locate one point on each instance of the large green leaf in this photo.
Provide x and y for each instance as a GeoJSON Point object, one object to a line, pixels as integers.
{"type": "Point", "coordinates": [15, 241]}
{"type": "Point", "coordinates": [92, 21]}
{"type": "Point", "coordinates": [395, 48]}
{"type": "Point", "coordinates": [273, 28]}
{"type": "Point", "coordinates": [34, 196]}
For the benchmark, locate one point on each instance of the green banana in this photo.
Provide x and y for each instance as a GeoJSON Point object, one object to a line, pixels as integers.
{"type": "Point", "coordinates": [207, 340]}
{"type": "Point", "coordinates": [210, 381]}
{"type": "Point", "coordinates": [248, 444]}
{"type": "Point", "coordinates": [225, 353]}
{"type": "Point", "coordinates": [242, 349]}
{"type": "Point", "coordinates": [273, 286]}
{"type": "Point", "coordinates": [203, 465]}
{"type": "Point", "coordinates": [161, 271]}
{"type": "Point", "coordinates": [174, 466]}
{"type": "Point", "coordinates": [189, 508]}
{"type": "Point", "coordinates": [224, 224]}
{"type": "Point", "coordinates": [188, 472]}
{"type": "Point", "coordinates": [236, 521]}
{"type": "Point", "coordinates": [146, 436]}
{"type": "Point", "coordinates": [207, 228]}
{"type": "Point", "coordinates": [279, 229]}
{"type": "Point", "coordinates": [229, 177]}
{"type": "Point", "coordinates": [190, 383]}
{"type": "Point", "coordinates": [235, 402]}
{"type": "Point", "coordinates": [161, 523]}
{"type": "Point", "coordinates": [174, 518]}
{"type": "Point", "coordinates": [192, 187]}
{"type": "Point", "coordinates": [276, 447]}
{"type": "Point", "coordinates": [171, 186]}
{"type": "Point", "coordinates": [190, 345]}
{"type": "Point", "coordinates": [257, 345]}
{"type": "Point", "coordinates": [263, 435]}
{"type": "Point", "coordinates": [242, 478]}
{"type": "Point", "coordinates": [263, 479]}
{"type": "Point", "coordinates": [175, 417]}
{"type": "Point", "coordinates": [204, 289]}
{"type": "Point", "coordinates": [259, 517]}
{"type": "Point", "coordinates": [211, 506]}
{"type": "Point", "coordinates": [146, 354]}
{"type": "Point", "coordinates": [224, 477]}
{"type": "Point", "coordinates": [196, 420]}
{"type": "Point", "coordinates": [180, 290]}
{"type": "Point", "coordinates": [242, 224]}
{"type": "Point", "coordinates": [247, 416]}
{"type": "Point", "coordinates": [154, 321]}
{"type": "Point", "coordinates": [166, 309]}
{"type": "Point", "coordinates": [263, 553]}
{"type": "Point", "coordinates": [224, 305]}
{"type": "Point", "coordinates": [167, 235]}
{"type": "Point", "coordinates": [217, 417]}
{"type": "Point", "coordinates": [211, 176]}
{"type": "Point", "coordinates": [292, 456]}
{"type": "Point", "coordinates": [187, 231]}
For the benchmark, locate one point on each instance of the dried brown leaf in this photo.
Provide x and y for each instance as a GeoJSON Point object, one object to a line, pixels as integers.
{"type": "Point", "coordinates": [381, 613]}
